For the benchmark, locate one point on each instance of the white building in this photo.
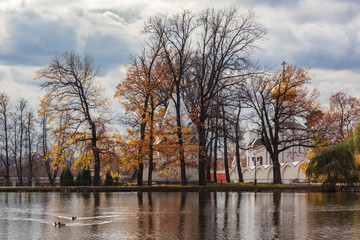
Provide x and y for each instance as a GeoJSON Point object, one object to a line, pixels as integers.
{"type": "Point", "coordinates": [259, 164]}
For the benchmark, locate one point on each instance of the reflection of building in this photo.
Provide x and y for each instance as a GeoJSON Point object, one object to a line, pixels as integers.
{"type": "Point", "coordinates": [257, 157]}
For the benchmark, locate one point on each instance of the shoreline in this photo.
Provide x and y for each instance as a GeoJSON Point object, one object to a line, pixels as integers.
{"type": "Point", "coordinates": [225, 187]}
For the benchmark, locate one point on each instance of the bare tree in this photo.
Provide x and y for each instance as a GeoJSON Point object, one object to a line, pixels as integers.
{"type": "Point", "coordinates": [225, 46]}
{"type": "Point", "coordinates": [18, 137]}
{"type": "Point", "coordinates": [5, 134]}
{"type": "Point", "coordinates": [237, 139]}
{"type": "Point", "coordinates": [342, 116]}
{"type": "Point", "coordinates": [32, 146]}
{"type": "Point", "coordinates": [280, 103]}
{"type": "Point", "coordinates": [70, 82]}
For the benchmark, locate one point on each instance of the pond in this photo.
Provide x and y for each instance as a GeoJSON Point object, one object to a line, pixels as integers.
{"type": "Point", "coordinates": [222, 215]}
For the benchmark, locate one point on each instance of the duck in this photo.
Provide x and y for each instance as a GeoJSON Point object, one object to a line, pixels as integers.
{"type": "Point", "coordinates": [59, 224]}
{"type": "Point", "coordinates": [73, 218]}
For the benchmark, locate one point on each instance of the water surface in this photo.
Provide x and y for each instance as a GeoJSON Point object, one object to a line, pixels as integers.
{"type": "Point", "coordinates": [227, 215]}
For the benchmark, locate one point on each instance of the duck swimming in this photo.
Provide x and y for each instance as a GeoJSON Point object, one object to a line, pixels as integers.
{"type": "Point", "coordinates": [59, 224]}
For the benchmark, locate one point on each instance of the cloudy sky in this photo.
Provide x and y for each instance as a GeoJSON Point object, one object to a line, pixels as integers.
{"type": "Point", "coordinates": [321, 34]}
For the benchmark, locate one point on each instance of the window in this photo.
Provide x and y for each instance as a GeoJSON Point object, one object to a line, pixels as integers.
{"type": "Point", "coordinates": [261, 160]}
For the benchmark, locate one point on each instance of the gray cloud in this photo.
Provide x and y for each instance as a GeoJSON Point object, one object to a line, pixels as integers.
{"type": "Point", "coordinates": [324, 35]}
{"type": "Point", "coordinates": [33, 36]}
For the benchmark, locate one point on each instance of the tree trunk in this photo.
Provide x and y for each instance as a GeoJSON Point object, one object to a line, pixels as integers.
{"type": "Point", "coordinates": [208, 165]}
{"type": "Point", "coordinates": [151, 147]}
{"type": "Point", "coordinates": [226, 161]}
{"type": "Point", "coordinates": [215, 150]}
{"type": "Point", "coordinates": [238, 162]}
{"type": "Point", "coordinates": [202, 153]}
{"type": "Point", "coordinates": [140, 170]}
{"type": "Point", "coordinates": [96, 154]}
{"type": "Point", "coordinates": [179, 135]}
{"type": "Point", "coordinates": [30, 167]}
{"type": "Point", "coordinates": [276, 169]}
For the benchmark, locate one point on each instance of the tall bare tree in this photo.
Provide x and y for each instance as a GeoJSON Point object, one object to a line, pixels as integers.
{"type": "Point", "coordinates": [225, 44]}
{"type": "Point", "coordinates": [18, 137]}
{"type": "Point", "coordinates": [71, 86]}
{"type": "Point", "coordinates": [5, 134]}
{"type": "Point", "coordinates": [32, 146]}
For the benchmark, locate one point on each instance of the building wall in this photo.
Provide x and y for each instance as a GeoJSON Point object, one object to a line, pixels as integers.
{"type": "Point", "coordinates": [262, 157]}
{"type": "Point", "coordinates": [290, 172]}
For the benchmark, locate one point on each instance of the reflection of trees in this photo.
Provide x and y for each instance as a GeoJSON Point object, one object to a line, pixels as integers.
{"type": "Point", "coordinates": [202, 219]}
{"type": "Point", "coordinates": [182, 214]}
{"type": "Point", "coordinates": [94, 227]}
{"type": "Point", "coordinates": [150, 214]}
{"type": "Point", "coordinates": [238, 210]}
{"type": "Point", "coordinates": [146, 214]}
{"type": "Point", "coordinates": [276, 215]}
{"type": "Point", "coordinates": [226, 210]}
{"type": "Point", "coordinates": [140, 212]}
{"type": "Point", "coordinates": [215, 214]}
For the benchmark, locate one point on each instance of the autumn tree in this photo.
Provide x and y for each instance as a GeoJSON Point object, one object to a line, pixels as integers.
{"type": "Point", "coordinates": [143, 92]}
{"type": "Point", "coordinates": [280, 103]}
{"type": "Point", "coordinates": [342, 115]}
{"type": "Point", "coordinates": [174, 35]}
{"type": "Point", "coordinates": [55, 139]}
{"type": "Point", "coordinates": [71, 86]}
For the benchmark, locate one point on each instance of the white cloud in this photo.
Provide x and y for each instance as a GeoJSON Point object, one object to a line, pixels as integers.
{"type": "Point", "coordinates": [18, 83]}
{"type": "Point", "coordinates": [324, 35]}
{"type": "Point", "coordinates": [331, 81]}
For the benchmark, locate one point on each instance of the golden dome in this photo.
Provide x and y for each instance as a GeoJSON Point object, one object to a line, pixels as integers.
{"type": "Point", "coordinates": [283, 91]}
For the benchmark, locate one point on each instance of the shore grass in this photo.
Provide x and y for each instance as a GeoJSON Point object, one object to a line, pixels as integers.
{"type": "Point", "coordinates": [209, 187]}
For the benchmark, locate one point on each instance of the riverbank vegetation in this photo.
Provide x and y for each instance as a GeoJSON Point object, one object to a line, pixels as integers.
{"type": "Point", "coordinates": [188, 98]}
{"type": "Point", "coordinates": [210, 187]}
{"type": "Point", "coordinates": [339, 163]}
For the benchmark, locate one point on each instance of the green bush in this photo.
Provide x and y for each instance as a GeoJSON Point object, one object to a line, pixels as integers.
{"type": "Point", "coordinates": [336, 164]}
{"type": "Point", "coordinates": [78, 179]}
{"type": "Point", "coordinates": [109, 181]}
{"type": "Point", "coordinates": [66, 177]}
{"type": "Point", "coordinates": [86, 177]}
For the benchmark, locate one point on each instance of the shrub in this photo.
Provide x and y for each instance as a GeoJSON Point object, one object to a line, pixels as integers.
{"type": "Point", "coordinates": [109, 181]}
{"type": "Point", "coordinates": [78, 180]}
{"type": "Point", "coordinates": [66, 177]}
{"type": "Point", "coordinates": [86, 177]}
{"type": "Point", "coordinates": [335, 165]}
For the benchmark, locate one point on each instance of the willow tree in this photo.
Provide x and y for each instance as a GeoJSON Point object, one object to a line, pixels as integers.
{"type": "Point", "coordinates": [279, 103]}
{"type": "Point", "coordinates": [339, 163]}
{"type": "Point", "coordinates": [71, 86]}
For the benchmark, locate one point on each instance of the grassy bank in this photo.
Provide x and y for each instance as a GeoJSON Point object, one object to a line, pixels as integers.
{"type": "Point", "coordinates": [210, 187]}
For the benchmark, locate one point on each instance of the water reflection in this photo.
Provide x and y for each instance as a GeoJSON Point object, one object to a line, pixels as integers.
{"type": "Point", "coordinates": [276, 215]}
{"type": "Point", "coordinates": [223, 215]}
